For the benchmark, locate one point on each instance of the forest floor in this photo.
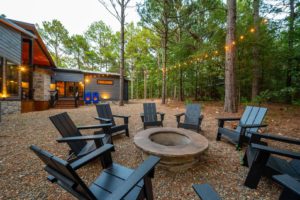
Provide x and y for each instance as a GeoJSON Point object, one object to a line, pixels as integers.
{"type": "Point", "coordinates": [23, 177]}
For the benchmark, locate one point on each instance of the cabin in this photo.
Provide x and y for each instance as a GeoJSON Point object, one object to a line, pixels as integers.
{"type": "Point", "coordinates": [29, 76]}
{"type": "Point", "coordinates": [25, 68]}
{"type": "Point", "coordinates": [107, 85]}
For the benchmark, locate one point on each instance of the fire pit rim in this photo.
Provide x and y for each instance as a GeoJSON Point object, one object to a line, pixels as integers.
{"type": "Point", "coordinates": [197, 145]}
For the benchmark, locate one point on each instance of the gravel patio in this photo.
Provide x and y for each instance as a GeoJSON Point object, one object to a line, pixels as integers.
{"type": "Point", "coordinates": [23, 177]}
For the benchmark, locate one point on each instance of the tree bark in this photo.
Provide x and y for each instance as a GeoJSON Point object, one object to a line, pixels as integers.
{"type": "Point", "coordinates": [164, 55]}
{"type": "Point", "coordinates": [181, 85]}
{"type": "Point", "coordinates": [145, 84]}
{"type": "Point", "coordinates": [122, 63]}
{"type": "Point", "coordinates": [290, 48]}
{"type": "Point", "coordinates": [230, 104]}
{"type": "Point", "coordinates": [256, 73]}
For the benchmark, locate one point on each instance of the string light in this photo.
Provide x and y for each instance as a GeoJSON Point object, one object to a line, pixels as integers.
{"type": "Point", "coordinates": [242, 37]}
{"type": "Point", "coordinates": [252, 30]}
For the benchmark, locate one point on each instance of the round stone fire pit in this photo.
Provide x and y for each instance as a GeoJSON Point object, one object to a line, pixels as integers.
{"type": "Point", "coordinates": [178, 148]}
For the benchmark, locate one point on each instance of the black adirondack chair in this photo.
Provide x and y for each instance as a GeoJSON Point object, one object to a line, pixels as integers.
{"type": "Point", "coordinates": [250, 121]}
{"type": "Point", "coordinates": [261, 162]}
{"type": "Point", "coordinates": [192, 118]}
{"type": "Point", "coordinates": [206, 192]}
{"type": "Point", "coordinates": [114, 183]}
{"type": "Point", "coordinates": [291, 187]}
{"type": "Point", "coordinates": [79, 144]}
{"type": "Point", "coordinates": [105, 116]}
{"type": "Point", "coordinates": [149, 117]}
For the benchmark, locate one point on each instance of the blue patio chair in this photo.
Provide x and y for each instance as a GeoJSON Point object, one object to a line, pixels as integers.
{"type": "Point", "coordinates": [87, 97]}
{"type": "Point", "coordinates": [95, 97]}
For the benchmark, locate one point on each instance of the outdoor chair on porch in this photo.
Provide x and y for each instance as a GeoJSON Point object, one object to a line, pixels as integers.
{"type": "Point", "coordinates": [149, 116]}
{"type": "Point", "coordinates": [79, 144]}
{"type": "Point", "coordinates": [261, 162]}
{"type": "Point", "coordinates": [105, 116]}
{"type": "Point", "coordinates": [114, 183]}
{"type": "Point", "coordinates": [192, 118]}
{"type": "Point", "coordinates": [250, 121]}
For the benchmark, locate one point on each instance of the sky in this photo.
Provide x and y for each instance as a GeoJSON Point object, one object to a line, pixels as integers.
{"type": "Point", "coordinates": [75, 15]}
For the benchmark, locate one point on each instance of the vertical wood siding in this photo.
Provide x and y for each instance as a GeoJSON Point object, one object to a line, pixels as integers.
{"type": "Point", "coordinates": [10, 44]}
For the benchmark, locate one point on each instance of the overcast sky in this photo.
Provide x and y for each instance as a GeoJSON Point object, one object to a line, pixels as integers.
{"type": "Point", "coordinates": [76, 15]}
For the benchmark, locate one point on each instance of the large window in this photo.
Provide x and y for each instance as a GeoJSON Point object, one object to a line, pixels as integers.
{"type": "Point", "coordinates": [12, 77]}
{"type": "Point", "coordinates": [1, 76]}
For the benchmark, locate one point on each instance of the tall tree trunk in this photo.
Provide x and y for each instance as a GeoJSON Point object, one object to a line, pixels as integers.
{"type": "Point", "coordinates": [145, 84]}
{"type": "Point", "coordinates": [132, 80]}
{"type": "Point", "coordinates": [181, 85]}
{"type": "Point", "coordinates": [122, 63]}
{"type": "Point", "coordinates": [164, 55]}
{"type": "Point", "coordinates": [230, 104]}
{"type": "Point", "coordinates": [290, 49]}
{"type": "Point", "coordinates": [256, 73]}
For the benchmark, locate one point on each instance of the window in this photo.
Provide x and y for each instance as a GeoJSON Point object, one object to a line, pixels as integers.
{"type": "Point", "coordinates": [1, 76]}
{"type": "Point", "coordinates": [12, 77]}
{"type": "Point", "coordinates": [105, 82]}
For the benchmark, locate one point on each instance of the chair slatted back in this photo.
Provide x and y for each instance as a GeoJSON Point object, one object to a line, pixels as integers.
{"type": "Point", "coordinates": [252, 115]}
{"type": "Point", "coordinates": [150, 112]}
{"type": "Point", "coordinates": [67, 128]}
{"type": "Point", "coordinates": [192, 114]}
{"type": "Point", "coordinates": [104, 111]}
{"type": "Point", "coordinates": [64, 174]}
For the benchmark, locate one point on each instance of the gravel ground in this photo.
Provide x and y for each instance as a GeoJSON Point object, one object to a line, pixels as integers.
{"type": "Point", "coordinates": [22, 175]}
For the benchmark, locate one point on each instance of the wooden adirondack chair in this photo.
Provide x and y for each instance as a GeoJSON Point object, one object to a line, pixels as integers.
{"type": "Point", "coordinates": [291, 187]}
{"type": "Point", "coordinates": [192, 118]}
{"type": "Point", "coordinates": [114, 183]}
{"type": "Point", "coordinates": [105, 116]}
{"type": "Point", "coordinates": [258, 157]}
{"type": "Point", "coordinates": [79, 144]}
{"type": "Point", "coordinates": [249, 122]}
{"type": "Point", "coordinates": [206, 192]}
{"type": "Point", "coordinates": [149, 117]}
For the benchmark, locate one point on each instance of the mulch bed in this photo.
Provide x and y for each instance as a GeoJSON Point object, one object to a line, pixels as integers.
{"type": "Point", "coordinates": [23, 177]}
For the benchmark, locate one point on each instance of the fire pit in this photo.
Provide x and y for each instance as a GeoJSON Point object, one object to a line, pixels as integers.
{"type": "Point", "coordinates": [179, 149]}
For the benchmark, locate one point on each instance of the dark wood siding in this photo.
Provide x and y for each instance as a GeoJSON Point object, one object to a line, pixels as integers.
{"type": "Point", "coordinates": [111, 90]}
{"type": "Point", "coordinates": [67, 77]}
{"type": "Point", "coordinates": [10, 44]}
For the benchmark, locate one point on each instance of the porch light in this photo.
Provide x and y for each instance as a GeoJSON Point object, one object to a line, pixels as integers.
{"type": "Point", "coordinates": [22, 68]}
{"type": "Point", "coordinates": [87, 80]}
{"type": "Point", "coordinates": [105, 96]}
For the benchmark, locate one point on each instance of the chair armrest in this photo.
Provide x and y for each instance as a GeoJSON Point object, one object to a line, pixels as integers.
{"type": "Point", "coordinates": [179, 115]}
{"type": "Point", "coordinates": [143, 170]}
{"type": "Point", "coordinates": [228, 118]}
{"type": "Point", "coordinates": [272, 150]}
{"type": "Point", "coordinates": [121, 116]}
{"type": "Point", "coordinates": [206, 192]}
{"type": "Point", "coordinates": [160, 113]}
{"type": "Point", "coordinates": [288, 182]}
{"type": "Point", "coordinates": [91, 156]}
{"type": "Point", "coordinates": [102, 119]}
{"type": "Point", "coordinates": [253, 125]}
{"type": "Point", "coordinates": [275, 137]}
{"type": "Point", "coordinates": [81, 138]}
{"type": "Point", "coordinates": [94, 126]}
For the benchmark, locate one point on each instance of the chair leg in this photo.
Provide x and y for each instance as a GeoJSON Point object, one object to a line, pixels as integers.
{"type": "Point", "coordinates": [127, 132]}
{"type": "Point", "coordinates": [256, 170]}
{"type": "Point", "coordinates": [218, 136]}
{"type": "Point", "coordinates": [286, 194]}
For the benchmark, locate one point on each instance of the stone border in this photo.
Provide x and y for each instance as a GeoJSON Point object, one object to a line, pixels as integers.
{"type": "Point", "coordinates": [174, 158]}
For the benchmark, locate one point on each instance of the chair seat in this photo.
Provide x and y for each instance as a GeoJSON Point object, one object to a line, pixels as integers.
{"type": "Point", "coordinates": [231, 135]}
{"type": "Point", "coordinates": [110, 180]}
{"type": "Point", "coordinates": [282, 166]}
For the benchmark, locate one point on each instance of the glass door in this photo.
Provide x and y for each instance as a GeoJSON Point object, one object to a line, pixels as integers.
{"type": "Point", "coordinates": [60, 86]}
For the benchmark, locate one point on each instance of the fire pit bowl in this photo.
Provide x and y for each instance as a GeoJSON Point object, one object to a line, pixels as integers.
{"type": "Point", "coordinates": [179, 149]}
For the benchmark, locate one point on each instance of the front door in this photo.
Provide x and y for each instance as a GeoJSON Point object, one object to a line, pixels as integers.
{"type": "Point", "coordinates": [68, 89]}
